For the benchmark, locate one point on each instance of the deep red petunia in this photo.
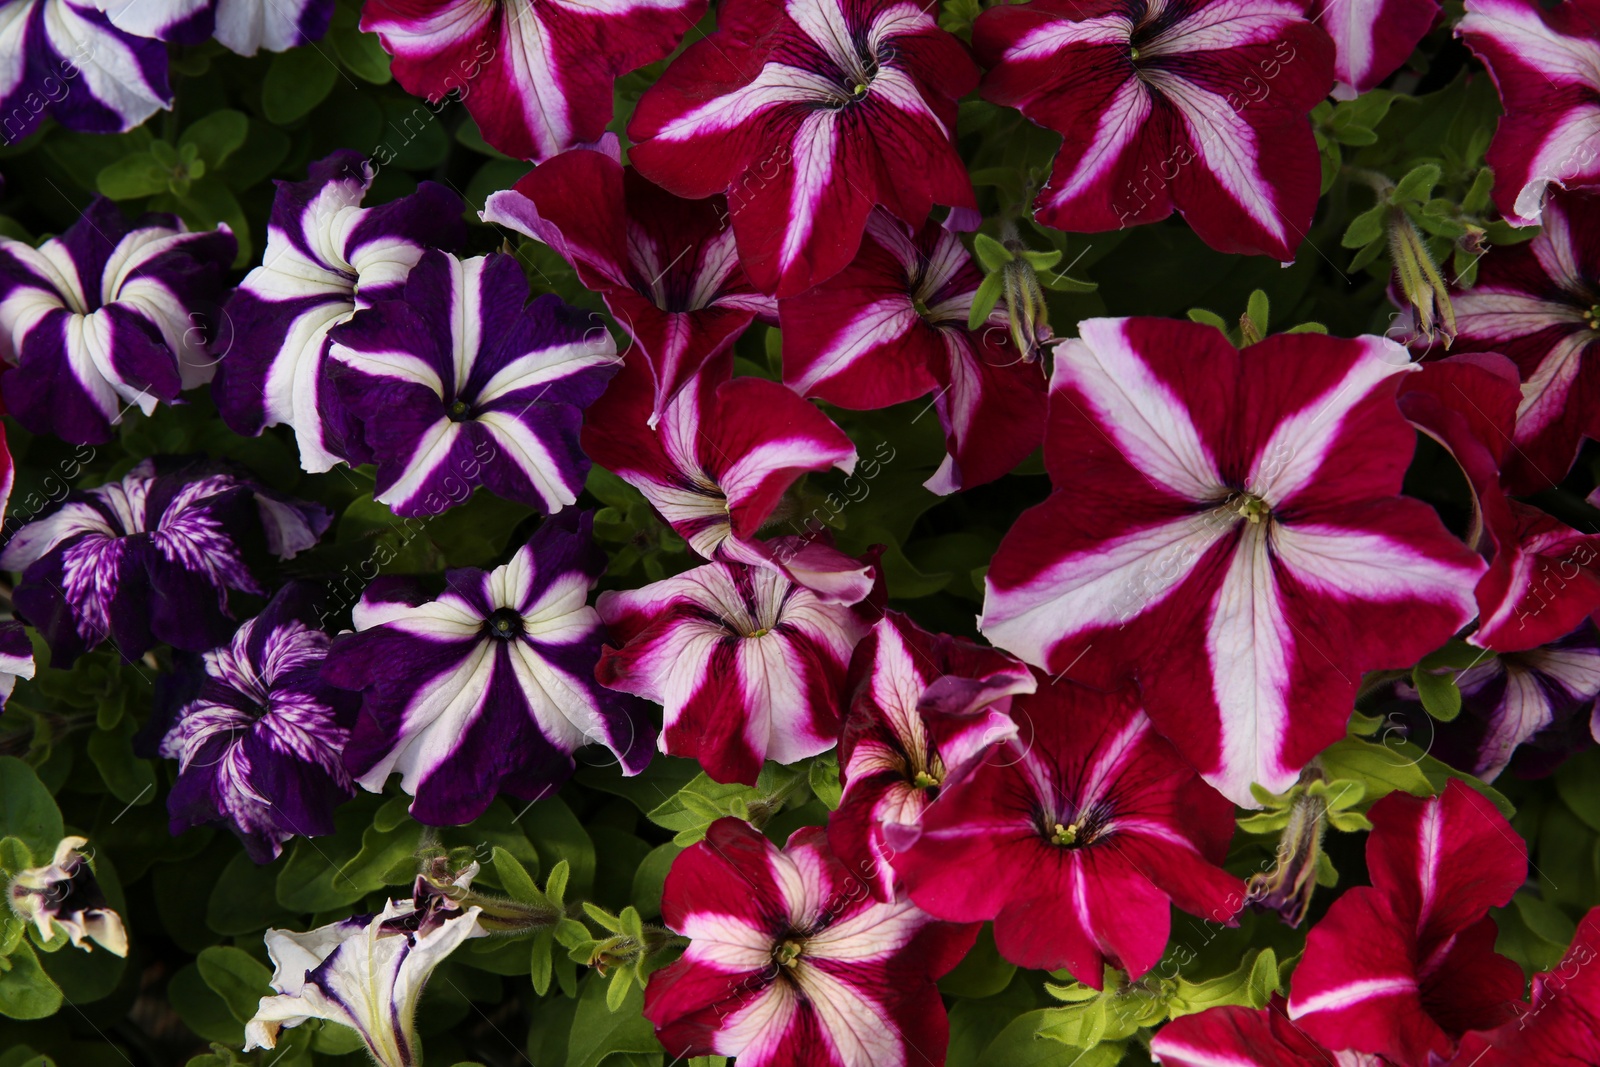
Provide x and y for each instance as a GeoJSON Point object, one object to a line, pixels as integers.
{"type": "Point", "coordinates": [1075, 838]}
{"type": "Point", "coordinates": [1245, 1037]}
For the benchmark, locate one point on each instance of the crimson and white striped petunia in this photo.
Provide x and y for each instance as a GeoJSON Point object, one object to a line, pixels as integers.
{"type": "Point", "coordinates": [460, 383]}
{"type": "Point", "coordinates": [667, 267]}
{"type": "Point", "coordinates": [1546, 64]}
{"type": "Point", "coordinates": [892, 326]}
{"type": "Point", "coordinates": [1539, 304]}
{"type": "Point", "coordinates": [1199, 106]}
{"type": "Point", "coordinates": [1372, 38]}
{"type": "Point", "coordinates": [749, 665]}
{"type": "Point", "coordinates": [1076, 837]}
{"type": "Point", "coordinates": [1234, 1036]}
{"type": "Point", "coordinates": [925, 709]}
{"type": "Point", "coordinates": [1403, 968]}
{"type": "Point", "coordinates": [718, 462]}
{"type": "Point", "coordinates": [1247, 570]}
{"type": "Point", "coordinates": [326, 256]}
{"type": "Point", "coordinates": [537, 77]}
{"type": "Point", "coordinates": [791, 961]}
{"type": "Point", "coordinates": [807, 114]}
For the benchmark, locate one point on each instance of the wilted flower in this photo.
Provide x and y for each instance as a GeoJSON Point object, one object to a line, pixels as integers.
{"type": "Point", "coordinates": [65, 894]}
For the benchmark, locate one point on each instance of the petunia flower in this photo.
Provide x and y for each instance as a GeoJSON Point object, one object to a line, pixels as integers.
{"type": "Point", "coordinates": [1562, 1024]}
{"type": "Point", "coordinates": [1372, 38]}
{"type": "Point", "coordinates": [717, 464]}
{"type": "Point", "coordinates": [154, 557]}
{"type": "Point", "coordinates": [490, 686]}
{"type": "Point", "coordinates": [1247, 568]}
{"type": "Point", "coordinates": [107, 317]}
{"type": "Point", "coordinates": [1546, 63]}
{"type": "Point", "coordinates": [892, 326]}
{"type": "Point", "coordinates": [325, 257]}
{"type": "Point", "coordinates": [925, 710]}
{"type": "Point", "coordinates": [459, 382]}
{"type": "Point", "coordinates": [63, 59]}
{"type": "Point", "coordinates": [667, 267]}
{"type": "Point", "coordinates": [1539, 304]}
{"type": "Point", "coordinates": [366, 972]}
{"type": "Point", "coordinates": [537, 77]}
{"type": "Point", "coordinates": [1403, 968]}
{"type": "Point", "coordinates": [791, 960]}
{"type": "Point", "coordinates": [749, 665]}
{"type": "Point", "coordinates": [807, 115]}
{"type": "Point", "coordinates": [16, 658]}
{"type": "Point", "coordinates": [64, 895]}
{"type": "Point", "coordinates": [1075, 838]}
{"type": "Point", "coordinates": [242, 26]}
{"type": "Point", "coordinates": [1201, 107]}
{"type": "Point", "coordinates": [1246, 1037]}
{"type": "Point", "coordinates": [260, 747]}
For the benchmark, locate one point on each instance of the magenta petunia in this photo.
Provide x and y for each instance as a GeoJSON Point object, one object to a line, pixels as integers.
{"type": "Point", "coordinates": [1372, 38]}
{"type": "Point", "coordinates": [1235, 1036]}
{"type": "Point", "coordinates": [1075, 838]}
{"type": "Point", "coordinates": [807, 114]}
{"type": "Point", "coordinates": [791, 961]}
{"type": "Point", "coordinates": [1403, 968]}
{"type": "Point", "coordinates": [667, 267]}
{"type": "Point", "coordinates": [925, 710]}
{"type": "Point", "coordinates": [892, 326]}
{"type": "Point", "coordinates": [537, 77]}
{"type": "Point", "coordinates": [1225, 525]}
{"type": "Point", "coordinates": [1198, 106]}
{"type": "Point", "coordinates": [749, 665]}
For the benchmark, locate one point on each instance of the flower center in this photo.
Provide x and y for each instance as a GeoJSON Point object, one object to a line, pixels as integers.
{"type": "Point", "coordinates": [924, 780]}
{"type": "Point", "coordinates": [1066, 835]}
{"type": "Point", "coordinates": [764, 631]}
{"type": "Point", "coordinates": [460, 411]}
{"type": "Point", "coordinates": [788, 953]}
{"type": "Point", "coordinates": [1592, 317]}
{"type": "Point", "coordinates": [503, 624]}
{"type": "Point", "coordinates": [1252, 507]}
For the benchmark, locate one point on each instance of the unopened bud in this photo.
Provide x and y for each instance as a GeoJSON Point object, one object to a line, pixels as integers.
{"type": "Point", "coordinates": [1420, 281]}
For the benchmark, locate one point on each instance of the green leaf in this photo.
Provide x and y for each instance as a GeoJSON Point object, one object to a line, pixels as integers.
{"type": "Point", "coordinates": [1366, 227]}
{"type": "Point", "coordinates": [362, 54]}
{"type": "Point", "coordinates": [984, 300]}
{"type": "Point", "coordinates": [297, 81]}
{"type": "Point", "coordinates": [991, 253]}
{"type": "Point", "coordinates": [27, 810]}
{"type": "Point", "coordinates": [601, 1033]}
{"type": "Point", "coordinates": [558, 835]}
{"type": "Point", "coordinates": [133, 177]}
{"type": "Point", "coordinates": [1208, 318]}
{"type": "Point", "coordinates": [130, 779]}
{"type": "Point", "coordinates": [1250, 985]}
{"type": "Point", "coordinates": [1418, 184]}
{"type": "Point", "coordinates": [217, 136]}
{"type": "Point", "coordinates": [1579, 788]}
{"type": "Point", "coordinates": [650, 876]}
{"type": "Point", "coordinates": [1381, 769]}
{"type": "Point", "coordinates": [244, 899]}
{"type": "Point", "coordinates": [514, 878]}
{"type": "Point", "coordinates": [982, 972]}
{"type": "Point", "coordinates": [1440, 696]}
{"type": "Point", "coordinates": [824, 775]}
{"type": "Point", "coordinates": [237, 977]}
{"type": "Point", "coordinates": [201, 1009]}
{"type": "Point", "coordinates": [26, 992]}
{"type": "Point", "coordinates": [1020, 1045]}
{"type": "Point", "coordinates": [1259, 311]}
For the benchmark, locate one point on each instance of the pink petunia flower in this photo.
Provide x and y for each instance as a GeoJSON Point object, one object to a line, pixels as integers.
{"type": "Point", "coordinates": [1244, 1037]}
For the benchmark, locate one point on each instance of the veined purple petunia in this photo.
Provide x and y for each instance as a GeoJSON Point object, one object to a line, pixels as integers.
{"type": "Point", "coordinates": [490, 686]}
{"type": "Point", "coordinates": [749, 665]}
{"type": "Point", "coordinates": [64, 59]}
{"type": "Point", "coordinates": [152, 558]}
{"type": "Point", "coordinates": [242, 26]}
{"type": "Point", "coordinates": [106, 317]}
{"type": "Point", "coordinates": [459, 382]}
{"type": "Point", "coordinates": [537, 77]}
{"type": "Point", "coordinates": [1545, 60]}
{"type": "Point", "coordinates": [807, 114]}
{"type": "Point", "coordinates": [667, 267]}
{"type": "Point", "coordinates": [791, 961]}
{"type": "Point", "coordinates": [724, 453]}
{"type": "Point", "coordinates": [325, 257]}
{"type": "Point", "coordinates": [1246, 571]}
{"type": "Point", "coordinates": [1198, 106]}
{"type": "Point", "coordinates": [259, 748]}
{"type": "Point", "coordinates": [892, 326]}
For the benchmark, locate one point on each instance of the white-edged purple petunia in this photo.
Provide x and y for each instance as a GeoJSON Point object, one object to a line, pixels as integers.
{"type": "Point", "coordinates": [65, 60]}
{"type": "Point", "coordinates": [326, 256]}
{"type": "Point", "coordinates": [153, 557]}
{"type": "Point", "coordinates": [460, 382]}
{"type": "Point", "coordinates": [65, 895]}
{"type": "Point", "coordinates": [242, 26]}
{"type": "Point", "coordinates": [107, 317]}
{"type": "Point", "coordinates": [489, 687]}
{"type": "Point", "coordinates": [259, 748]}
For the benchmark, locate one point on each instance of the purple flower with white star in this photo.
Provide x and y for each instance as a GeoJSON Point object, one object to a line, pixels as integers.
{"type": "Point", "coordinates": [459, 383]}
{"type": "Point", "coordinates": [65, 60]}
{"type": "Point", "coordinates": [489, 687]}
{"type": "Point", "coordinates": [326, 256]}
{"type": "Point", "coordinates": [259, 749]}
{"type": "Point", "coordinates": [107, 316]}
{"type": "Point", "coordinates": [242, 26]}
{"type": "Point", "coordinates": [154, 557]}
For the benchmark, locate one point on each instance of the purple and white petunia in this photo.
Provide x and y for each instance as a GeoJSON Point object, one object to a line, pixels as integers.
{"type": "Point", "coordinates": [1198, 106]}
{"type": "Point", "coordinates": [1246, 571]}
{"type": "Point", "coordinates": [16, 658]}
{"type": "Point", "coordinates": [64, 894]}
{"type": "Point", "coordinates": [64, 59]}
{"type": "Point", "coordinates": [1545, 60]}
{"type": "Point", "coordinates": [458, 382]}
{"type": "Point", "coordinates": [106, 317]}
{"type": "Point", "coordinates": [749, 665]}
{"type": "Point", "coordinates": [537, 76]}
{"type": "Point", "coordinates": [807, 114]}
{"type": "Point", "coordinates": [154, 557]}
{"type": "Point", "coordinates": [490, 686]}
{"type": "Point", "coordinates": [259, 748]}
{"type": "Point", "coordinates": [326, 256]}
{"type": "Point", "coordinates": [242, 26]}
